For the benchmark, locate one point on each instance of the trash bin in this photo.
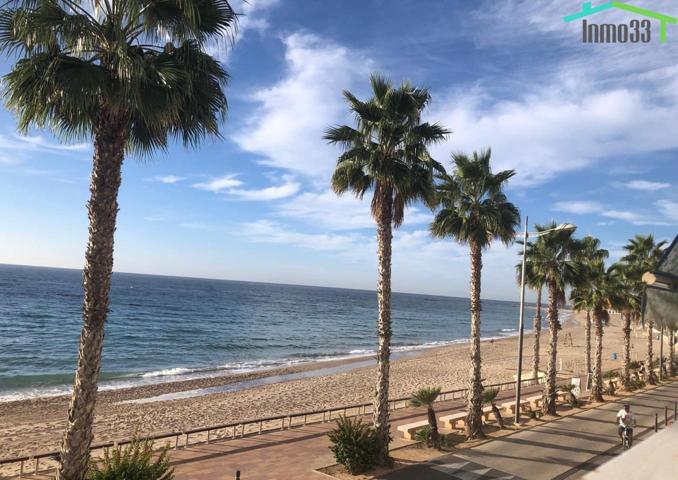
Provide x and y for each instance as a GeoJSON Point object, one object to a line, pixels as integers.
{"type": "Point", "coordinates": [614, 355]}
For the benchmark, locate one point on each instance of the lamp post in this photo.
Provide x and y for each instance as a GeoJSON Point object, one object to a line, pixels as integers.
{"type": "Point", "coordinates": [521, 322]}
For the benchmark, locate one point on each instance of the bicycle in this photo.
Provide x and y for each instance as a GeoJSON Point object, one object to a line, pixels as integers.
{"type": "Point", "coordinates": [627, 437]}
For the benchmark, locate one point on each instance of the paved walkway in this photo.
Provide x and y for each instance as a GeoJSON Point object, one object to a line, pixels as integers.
{"type": "Point", "coordinates": [566, 448]}
{"type": "Point", "coordinates": [287, 454]}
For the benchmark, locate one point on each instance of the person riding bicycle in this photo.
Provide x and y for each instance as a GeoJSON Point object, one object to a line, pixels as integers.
{"type": "Point", "coordinates": [627, 421]}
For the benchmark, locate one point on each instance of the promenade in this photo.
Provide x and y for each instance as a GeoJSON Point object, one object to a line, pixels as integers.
{"type": "Point", "coordinates": [564, 449]}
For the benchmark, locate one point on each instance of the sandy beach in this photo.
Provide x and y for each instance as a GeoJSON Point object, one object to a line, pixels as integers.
{"type": "Point", "coordinates": [32, 426]}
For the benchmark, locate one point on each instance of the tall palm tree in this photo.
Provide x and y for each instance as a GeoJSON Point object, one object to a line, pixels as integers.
{"type": "Point", "coordinates": [601, 294]}
{"type": "Point", "coordinates": [559, 269]}
{"type": "Point", "coordinates": [628, 304]}
{"type": "Point", "coordinates": [386, 153]}
{"type": "Point", "coordinates": [588, 252]}
{"type": "Point", "coordinates": [104, 70]}
{"type": "Point", "coordinates": [661, 309]}
{"type": "Point", "coordinates": [535, 281]}
{"type": "Point", "coordinates": [475, 211]}
{"type": "Point", "coordinates": [642, 255]}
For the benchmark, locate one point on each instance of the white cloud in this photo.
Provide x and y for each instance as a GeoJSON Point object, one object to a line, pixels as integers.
{"type": "Point", "coordinates": [219, 184]}
{"type": "Point", "coordinates": [344, 212]}
{"type": "Point", "coordinates": [228, 184]}
{"type": "Point", "coordinates": [252, 17]}
{"type": "Point", "coordinates": [633, 217]}
{"type": "Point", "coordinates": [646, 185]}
{"type": "Point", "coordinates": [265, 231]}
{"type": "Point", "coordinates": [668, 208]}
{"type": "Point", "coordinates": [169, 179]}
{"type": "Point", "coordinates": [287, 189]}
{"type": "Point", "coordinates": [534, 134]}
{"type": "Point", "coordinates": [291, 116]}
{"type": "Point", "coordinates": [578, 207]}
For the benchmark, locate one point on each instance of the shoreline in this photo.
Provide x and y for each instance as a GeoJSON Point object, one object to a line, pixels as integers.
{"type": "Point", "coordinates": [212, 377]}
{"type": "Point", "coordinates": [37, 425]}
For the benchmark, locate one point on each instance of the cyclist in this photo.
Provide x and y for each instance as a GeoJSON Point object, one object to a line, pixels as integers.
{"type": "Point", "coordinates": [627, 421]}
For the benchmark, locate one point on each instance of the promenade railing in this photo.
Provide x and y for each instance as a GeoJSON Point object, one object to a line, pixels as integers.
{"type": "Point", "coordinates": [45, 462]}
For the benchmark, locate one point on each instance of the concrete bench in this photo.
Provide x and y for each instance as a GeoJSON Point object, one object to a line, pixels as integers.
{"type": "Point", "coordinates": [454, 421]}
{"type": "Point", "coordinates": [409, 430]}
{"type": "Point", "coordinates": [510, 407]}
{"type": "Point", "coordinates": [535, 402]}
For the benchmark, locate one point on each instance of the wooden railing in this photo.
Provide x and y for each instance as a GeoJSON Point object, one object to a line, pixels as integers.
{"type": "Point", "coordinates": [184, 438]}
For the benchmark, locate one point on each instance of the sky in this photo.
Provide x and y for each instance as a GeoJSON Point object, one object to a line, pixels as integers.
{"type": "Point", "coordinates": [589, 128]}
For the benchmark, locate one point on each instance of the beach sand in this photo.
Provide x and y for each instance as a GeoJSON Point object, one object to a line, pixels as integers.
{"type": "Point", "coordinates": [34, 426]}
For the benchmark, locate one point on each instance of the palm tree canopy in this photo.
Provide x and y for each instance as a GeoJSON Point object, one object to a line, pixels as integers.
{"type": "Point", "coordinates": [589, 257]}
{"type": "Point", "coordinates": [555, 262]}
{"type": "Point", "coordinates": [475, 209]}
{"type": "Point", "coordinates": [533, 278]}
{"type": "Point", "coordinates": [387, 150]}
{"type": "Point", "coordinates": [643, 252]}
{"type": "Point", "coordinates": [425, 396]}
{"type": "Point", "coordinates": [489, 395]}
{"type": "Point", "coordinates": [144, 61]}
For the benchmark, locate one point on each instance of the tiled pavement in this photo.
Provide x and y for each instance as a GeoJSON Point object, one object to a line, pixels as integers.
{"type": "Point", "coordinates": [287, 454]}
{"type": "Point", "coordinates": [564, 449]}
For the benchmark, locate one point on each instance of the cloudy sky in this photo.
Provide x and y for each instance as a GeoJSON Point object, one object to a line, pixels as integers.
{"type": "Point", "coordinates": [590, 129]}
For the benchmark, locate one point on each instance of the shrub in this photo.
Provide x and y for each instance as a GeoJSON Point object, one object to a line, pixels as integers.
{"type": "Point", "coordinates": [610, 374]}
{"type": "Point", "coordinates": [354, 445]}
{"type": "Point", "coordinates": [490, 396]}
{"type": "Point", "coordinates": [424, 435]}
{"type": "Point", "coordinates": [134, 461]}
{"type": "Point", "coordinates": [610, 390]}
{"type": "Point", "coordinates": [634, 365]}
{"type": "Point", "coordinates": [426, 397]}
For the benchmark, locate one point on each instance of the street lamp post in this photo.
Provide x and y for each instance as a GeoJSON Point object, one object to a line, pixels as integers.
{"type": "Point", "coordinates": [521, 324]}
{"type": "Point", "coordinates": [521, 321]}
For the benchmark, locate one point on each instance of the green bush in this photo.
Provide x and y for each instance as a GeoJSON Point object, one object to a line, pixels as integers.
{"type": "Point", "coordinates": [610, 374]}
{"type": "Point", "coordinates": [135, 461]}
{"type": "Point", "coordinates": [423, 435]}
{"type": "Point", "coordinates": [634, 365]}
{"type": "Point", "coordinates": [354, 445]}
{"type": "Point", "coordinates": [635, 384]}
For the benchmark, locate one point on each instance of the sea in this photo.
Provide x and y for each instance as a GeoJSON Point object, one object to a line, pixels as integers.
{"type": "Point", "coordinates": [175, 328]}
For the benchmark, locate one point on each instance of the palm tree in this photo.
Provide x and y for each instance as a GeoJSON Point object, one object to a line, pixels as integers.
{"type": "Point", "coordinates": [661, 310]}
{"type": "Point", "coordinates": [643, 254]}
{"type": "Point", "coordinates": [587, 250]}
{"type": "Point", "coordinates": [536, 282]}
{"type": "Point", "coordinates": [386, 153]}
{"type": "Point", "coordinates": [628, 305]}
{"type": "Point", "coordinates": [475, 211]}
{"type": "Point", "coordinates": [556, 265]}
{"type": "Point", "coordinates": [602, 295]}
{"type": "Point", "coordinates": [426, 397]}
{"type": "Point", "coordinates": [104, 71]}
{"type": "Point", "coordinates": [490, 396]}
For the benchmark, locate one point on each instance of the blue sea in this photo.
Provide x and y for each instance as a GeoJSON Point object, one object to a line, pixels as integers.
{"type": "Point", "coordinates": [173, 328]}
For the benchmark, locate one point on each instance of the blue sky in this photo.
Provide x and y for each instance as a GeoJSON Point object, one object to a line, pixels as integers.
{"type": "Point", "coordinates": [590, 129]}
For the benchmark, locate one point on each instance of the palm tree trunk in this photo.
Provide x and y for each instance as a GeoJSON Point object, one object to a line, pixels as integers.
{"type": "Point", "coordinates": [537, 333]}
{"type": "Point", "coordinates": [380, 409]}
{"type": "Point", "coordinates": [497, 415]}
{"type": "Point", "coordinates": [672, 353]}
{"type": "Point", "coordinates": [626, 376]}
{"type": "Point", "coordinates": [433, 423]}
{"type": "Point", "coordinates": [549, 407]}
{"type": "Point", "coordinates": [588, 342]}
{"type": "Point", "coordinates": [648, 360]}
{"type": "Point", "coordinates": [474, 424]}
{"type": "Point", "coordinates": [597, 388]}
{"type": "Point", "coordinates": [102, 209]}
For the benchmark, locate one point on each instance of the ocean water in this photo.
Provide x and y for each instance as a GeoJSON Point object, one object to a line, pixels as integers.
{"type": "Point", "coordinates": [172, 328]}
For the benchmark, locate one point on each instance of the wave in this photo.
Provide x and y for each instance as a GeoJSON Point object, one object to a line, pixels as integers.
{"type": "Point", "coordinates": [137, 379]}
